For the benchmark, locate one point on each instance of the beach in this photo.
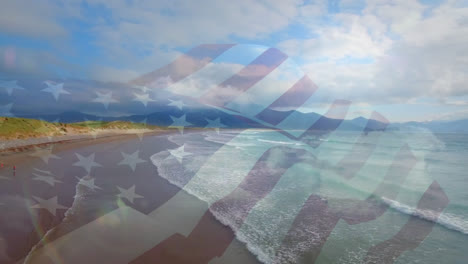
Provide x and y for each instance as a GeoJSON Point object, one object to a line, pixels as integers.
{"type": "Point", "coordinates": [204, 197]}
{"type": "Point", "coordinates": [91, 205]}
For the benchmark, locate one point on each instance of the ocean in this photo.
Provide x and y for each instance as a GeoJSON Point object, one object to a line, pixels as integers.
{"type": "Point", "coordinates": [341, 198]}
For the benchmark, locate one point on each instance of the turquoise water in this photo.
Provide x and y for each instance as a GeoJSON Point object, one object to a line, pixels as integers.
{"type": "Point", "coordinates": [448, 241]}
{"type": "Point", "coordinates": [266, 230]}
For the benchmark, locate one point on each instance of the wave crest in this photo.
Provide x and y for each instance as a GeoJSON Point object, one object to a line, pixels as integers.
{"type": "Point", "coordinates": [447, 220]}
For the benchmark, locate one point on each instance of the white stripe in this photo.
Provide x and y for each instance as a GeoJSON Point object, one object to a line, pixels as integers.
{"type": "Point", "coordinates": [295, 124]}
{"type": "Point", "coordinates": [182, 213]}
{"type": "Point", "coordinates": [270, 220]}
{"type": "Point", "coordinates": [369, 232]}
{"type": "Point", "coordinates": [117, 237]}
{"type": "Point", "coordinates": [217, 71]}
{"type": "Point", "coordinates": [220, 165]}
{"type": "Point", "coordinates": [371, 173]}
{"type": "Point", "coordinates": [133, 233]}
{"type": "Point", "coordinates": [267, 90]}
{"type": "Point", "coordinates": [235, 253]}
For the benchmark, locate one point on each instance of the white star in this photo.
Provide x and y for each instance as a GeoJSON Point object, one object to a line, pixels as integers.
{"type": "Point", "coordinates": [105, 99]}
{"type": "Point", "coordinates": [55, 89]}
{"type": "Point", "coordinates": [50, 205]}
{"type": "Point", "coordinates": [177, 103]}
{"type": "Point", "coordinates": [43, 171]}
{"type": "Point", "coordinates": [10, 85]}
{"type": "Point", "coordinates": [5, 110]}
{"type": "Point", "coordinates": [131, 160]}
{"type": "Point", "coordinates": [179, 123]}
{"type": "Point", "coordinates": [128, 194]}
{"type": "Point", "coordinates": [47, 179]}
{"type": "Point", "coordinates": [45, 154]}
{"type": "Point", "coordinates": [88, 183]}
{"type": "Point", "coordinates": [216, 124]}
{"type": "Point", "coordinates": [86, 163]}
{"type": "Point", "coordinates": [142, 88]}
{"type": "Point", "coordinates": [179, 153]}
{"type": "Point", "coordinates": [143, 98]}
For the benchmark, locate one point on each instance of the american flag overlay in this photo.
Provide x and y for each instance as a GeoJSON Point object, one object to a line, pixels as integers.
{"type": "Point", "coordinates": [204, 195]}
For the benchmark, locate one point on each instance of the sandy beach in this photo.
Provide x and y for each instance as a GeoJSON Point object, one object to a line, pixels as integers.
{"type": "Point", "coordinates": [162, 199]}
{"type": "Point", "coordinates": [115, 233]}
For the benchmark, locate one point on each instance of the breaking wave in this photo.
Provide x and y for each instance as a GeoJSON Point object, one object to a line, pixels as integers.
{"type": "Point", "coordinates": [447, 220]}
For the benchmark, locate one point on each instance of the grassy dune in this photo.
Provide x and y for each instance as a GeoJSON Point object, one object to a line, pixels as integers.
{"type": "Point", "coordinates": [112, 125]}
{"type": "Point", "coordinates": [22, 128]}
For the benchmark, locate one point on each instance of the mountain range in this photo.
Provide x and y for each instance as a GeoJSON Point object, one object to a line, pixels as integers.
{"type": "Point", "coordinates": [198, 118]}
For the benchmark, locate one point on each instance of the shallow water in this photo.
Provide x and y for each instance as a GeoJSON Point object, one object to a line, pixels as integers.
{"type": "Point", "coordinates": [312, 210]}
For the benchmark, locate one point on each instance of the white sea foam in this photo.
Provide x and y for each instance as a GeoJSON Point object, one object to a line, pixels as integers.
{"type": "Point", "coordinates": [446, 220]}
{"type": "Point", "coordinates": [219, 177]}
{"type": "Point", "coordinates": [280, 142]}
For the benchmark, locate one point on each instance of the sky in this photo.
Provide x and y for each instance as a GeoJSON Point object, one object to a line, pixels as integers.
{"type": "Point", "coordinates": [407, 59]}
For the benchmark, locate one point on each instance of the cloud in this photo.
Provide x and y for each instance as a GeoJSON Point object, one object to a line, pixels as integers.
{"type": "Point", "coordinates": [374, 51]}
{"type": "Point", "coordinates": [31, 19]}
{"type": "Point", "coordinates": [333, 43]}
{"type": "Point", "coordinates": [136, 32]}
{"type": "Point", "coordinates": [18, 61]}
{"type": "Point", "coordinates": [208, 78]}
{"type": "Point", "coordinates": [143, 35]}
{"type": "Point", "coordinates": [414, 50]}
{"type": "Point", "coordinates": [457, 115]}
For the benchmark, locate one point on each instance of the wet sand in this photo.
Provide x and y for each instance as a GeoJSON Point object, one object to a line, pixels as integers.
{"type": "Point", "coordinates": [100, 227]}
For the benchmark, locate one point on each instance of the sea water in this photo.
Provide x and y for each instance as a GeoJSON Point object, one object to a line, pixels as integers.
{"type": "Point", "coordinates": [217, 163]}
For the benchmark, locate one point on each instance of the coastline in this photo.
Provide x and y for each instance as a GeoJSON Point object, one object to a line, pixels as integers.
{"type": "Point", "coordinates": [21, 156]}
{"type": "Point", "coordinates": [8, 146]}
{"type": "Point", "coordinates": [92, 205]}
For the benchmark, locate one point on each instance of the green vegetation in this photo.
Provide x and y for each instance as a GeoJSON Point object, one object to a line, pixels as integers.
{"type": "Point", "coordinates": [21, 128]}
{"type": "Point", "coordinates": [113, 125]}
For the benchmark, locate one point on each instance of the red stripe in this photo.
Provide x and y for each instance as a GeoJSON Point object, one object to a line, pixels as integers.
{"type": "Point", "coordinates": [358, 156]}
{"type": "Point", "coordinates": [414, 231]}
{"type": "Point", "coordinates": [296, 96]}
{"type": "Point", "coordinates": [327, 123]}
{"type": "Point", "coordinates": [209, 238]}
{"type": "Point", "coordinates": [244, 79]}
{"type": "Point", "coordinates": [372, 208]}
{"type": "Point", "coordinates": [320, 219]}
{"type": "Point", "coordinates": [258, 183]}
{"type": "Point", "coordinates": [186, 64]}
{"type": "Point", "coordinates": [314, 215]}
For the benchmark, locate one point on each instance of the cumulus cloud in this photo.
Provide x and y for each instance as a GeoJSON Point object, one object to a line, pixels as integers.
{"type": "Point", "coordinates": [31, 18]}
{"type": "Point", "coordinates": [19, 61]}
{"type": "Point", "coordinates": [141, 36]}
{"type": "Point", "coordinates": [150, 27]}
{"type": "Point", "coordinates": [366, 51]}
{"type": "Point", "coordinates": [413, 50]}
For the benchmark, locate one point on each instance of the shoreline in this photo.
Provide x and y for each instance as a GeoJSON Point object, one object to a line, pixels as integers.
{"type": "Point", "coordinates": [23, 160]}
{"type": "Point", "coordinates": [85, 211]}
{"type": "Point", "coordinates": [17, 146]}
{"type": "Point", "coordinates": [21, 147]}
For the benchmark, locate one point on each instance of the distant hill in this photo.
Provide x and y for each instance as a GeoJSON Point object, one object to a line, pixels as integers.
{"type": "Point", "coordinates": [456, 126]}
{"type": "Point", "coordinates": [198, 118]}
